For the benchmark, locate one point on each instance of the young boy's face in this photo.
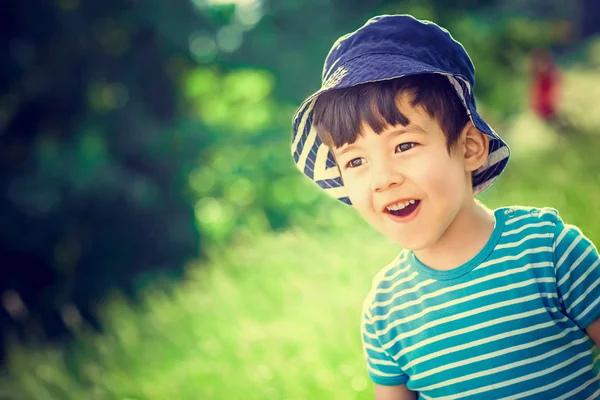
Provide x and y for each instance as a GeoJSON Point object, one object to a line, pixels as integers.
{"type": "Point", "coordinates": [403, 181]}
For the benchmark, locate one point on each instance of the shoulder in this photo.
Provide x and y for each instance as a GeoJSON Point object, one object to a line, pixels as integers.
{"type": "Point", "coordinates": [384, 281]}
{"type": "Point", "coordinates": [522, 221]}
{"type": "Point", "coordinates": [529, 213]}
{"type": "Point", "coordinates": [517, 217]}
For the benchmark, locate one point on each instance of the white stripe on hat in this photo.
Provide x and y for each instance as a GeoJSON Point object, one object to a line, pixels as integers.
{"type": "Point", "coordinates": [337, 192]}
{"type": "Point", "coordinates": [310, 141]}
{"type": "Point", "coordinates": [493, 158]}
{"type": "Point", "coordinates": [324, 173]}
{"type": "Point", "coordinates": [299, 132]}
{"type": "Point", "coordinates": [459, 90]}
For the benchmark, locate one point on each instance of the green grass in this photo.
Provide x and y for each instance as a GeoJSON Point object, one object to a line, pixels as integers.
{"type": "Point", "coordinates": [276, 316]}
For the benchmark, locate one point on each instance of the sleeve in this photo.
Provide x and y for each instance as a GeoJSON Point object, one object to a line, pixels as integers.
{"type": "Point", "coordinates": [577, 267]}
{"type": "Point", "coordinates": [382, 369]}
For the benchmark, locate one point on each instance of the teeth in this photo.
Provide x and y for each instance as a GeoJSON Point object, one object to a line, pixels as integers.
{"type": "Point", "coordinates": [400, 205]}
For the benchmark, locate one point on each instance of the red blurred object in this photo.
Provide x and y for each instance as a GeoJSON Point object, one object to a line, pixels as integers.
{"type": "Point", "coordinates": [545, 85]}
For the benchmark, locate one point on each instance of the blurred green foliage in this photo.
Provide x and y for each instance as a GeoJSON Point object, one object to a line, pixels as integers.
{"type": "Point", "coordinates": [244, 180]}
{"type": "Point", "coordinates": [275, 316]}
{"type": "Point", "coordinates": [137, 138]}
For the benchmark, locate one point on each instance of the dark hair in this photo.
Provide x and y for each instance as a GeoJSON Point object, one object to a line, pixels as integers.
{"type": "Point", "coordinates": [338, 114]}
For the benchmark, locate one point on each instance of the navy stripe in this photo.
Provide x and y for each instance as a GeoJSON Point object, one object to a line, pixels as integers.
{"type": "Point", "coordinates": [330, 183]}
{"type": "Point", "coordinates": [330, 163]}
{"type": "Point", "coordinates": [495, 145]}
{"type": "Point", "coordinates": [297, 120]}
{"type": "Point", "coordinates": [490, 172]}
{"type": "Point", "coordinates": [346, 200]}
{"type": "Point", "coordinates": [309, 167]}
{"type": "Point", "coordinates": [303, 138]}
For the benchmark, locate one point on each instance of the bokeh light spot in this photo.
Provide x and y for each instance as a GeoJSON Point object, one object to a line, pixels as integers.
{"type": "Point", "coordinates": [215, 217]}
{"type": "Point", "coordinates": [105, 97]}
{"type": "Point", "coordinates": [202, 47]}
{"type": "Point", "coordinates": [209, 211]}
{"type": "Point", "coordinates": [229, 38]}
{"type": "Point", "coordinates": [201, 82]}
{"type": "Point", "coordinates": [241, 192]}
{"type": "Point", "coordinates": [202, 180]}
{"type": "Point", "coordinates": [249, 12]}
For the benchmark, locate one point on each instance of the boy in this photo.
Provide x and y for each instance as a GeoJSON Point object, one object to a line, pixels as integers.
{"type": "Point", "coordinates": [479, 304]}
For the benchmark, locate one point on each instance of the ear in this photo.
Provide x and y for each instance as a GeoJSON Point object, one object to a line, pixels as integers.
{"type": "Point", "coordinates": [476, 146]}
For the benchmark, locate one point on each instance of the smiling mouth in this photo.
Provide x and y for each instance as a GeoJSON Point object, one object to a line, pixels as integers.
{"type": "Point", "coordinates": [405, 211]}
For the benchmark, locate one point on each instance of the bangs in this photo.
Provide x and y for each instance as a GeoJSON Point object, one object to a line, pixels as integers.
{"type": "Point", "coordinates": [339, 114]}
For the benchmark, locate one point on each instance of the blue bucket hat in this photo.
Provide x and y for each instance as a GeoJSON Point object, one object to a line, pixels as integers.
{"type": "Point", "coordinates": [388, 47]}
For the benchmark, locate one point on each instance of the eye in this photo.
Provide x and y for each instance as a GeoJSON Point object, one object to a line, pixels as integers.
{"type": "Point", "coordinates": [355, 162]}
{"type": "Point", "coordinates": [405, 146]}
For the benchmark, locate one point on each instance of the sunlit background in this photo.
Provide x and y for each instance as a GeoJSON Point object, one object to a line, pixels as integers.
{"type": "Point", "coordinates": [156, 241]}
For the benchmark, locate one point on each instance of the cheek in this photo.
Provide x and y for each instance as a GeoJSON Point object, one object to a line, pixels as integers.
{"type": "Point", "coordinates": [362, 200]}
{"type": "Point", "coordinates": [357, 193]}
{"type": "Point", "coordinates": [440, 176]}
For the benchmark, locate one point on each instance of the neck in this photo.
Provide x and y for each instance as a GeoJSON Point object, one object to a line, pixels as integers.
{"type": "Point", "coordinates": [465, 237]}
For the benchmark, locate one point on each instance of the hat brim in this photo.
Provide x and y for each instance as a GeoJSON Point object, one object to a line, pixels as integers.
{"type": "Point", "coordinates": [314, 159]}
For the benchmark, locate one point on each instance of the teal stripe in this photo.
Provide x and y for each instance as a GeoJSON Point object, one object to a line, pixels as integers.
{"type": "Point", "coordinates": [579, 286]}
{"type": "Point", "coordinates": [497, 326]}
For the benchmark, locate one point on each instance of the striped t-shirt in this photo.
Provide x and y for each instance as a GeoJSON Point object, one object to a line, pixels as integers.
{"type": "Point", "coordinates": [506, 325]}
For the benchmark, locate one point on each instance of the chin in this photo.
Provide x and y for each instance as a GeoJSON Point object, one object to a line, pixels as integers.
{"type": "Point", "coordinates": [413, 245]}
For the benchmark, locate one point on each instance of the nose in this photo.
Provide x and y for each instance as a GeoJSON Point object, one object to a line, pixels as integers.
{"type": "Point", "coordinates": [385, 176]}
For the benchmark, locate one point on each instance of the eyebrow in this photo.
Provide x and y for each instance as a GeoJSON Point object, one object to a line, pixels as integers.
{"type": "Point", "coordinates": [394, 132]}
{"type": "Point", "coordinates": [344, 150]}
{"type": "Point", "coordinates": [406, 129]}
